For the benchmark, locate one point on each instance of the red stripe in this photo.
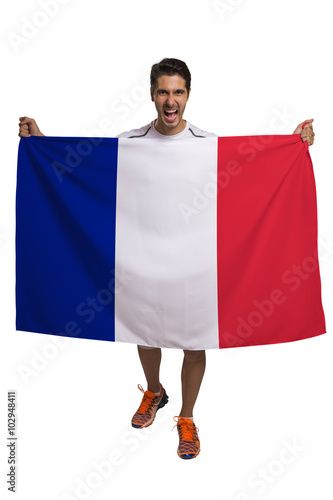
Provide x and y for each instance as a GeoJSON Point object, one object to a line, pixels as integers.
{"type": "Point", "coordinates": [268, 277]}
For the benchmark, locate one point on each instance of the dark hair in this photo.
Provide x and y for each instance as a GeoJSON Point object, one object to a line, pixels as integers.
{"type": "Point", "coordinates": [170, 67]}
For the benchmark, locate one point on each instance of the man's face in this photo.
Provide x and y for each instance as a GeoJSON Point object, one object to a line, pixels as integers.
{"type": "Point", "coordinates": [170, 97]}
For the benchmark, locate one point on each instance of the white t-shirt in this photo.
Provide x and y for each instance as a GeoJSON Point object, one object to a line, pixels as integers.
{"type": "Point", "coordinates": [149, 131]}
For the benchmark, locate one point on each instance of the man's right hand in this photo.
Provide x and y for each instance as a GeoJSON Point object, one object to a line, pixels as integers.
{"type": "Point", "coordinates": [28, 127]}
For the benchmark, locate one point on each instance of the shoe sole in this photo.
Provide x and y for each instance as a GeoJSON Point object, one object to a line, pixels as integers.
{"type": "Point", "coordinates": [188, 458]}
{"type": "Point", "coordinates": [163, 402]}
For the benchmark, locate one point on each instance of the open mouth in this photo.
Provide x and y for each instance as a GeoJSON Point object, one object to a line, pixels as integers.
{"type": "Point", "coordinates": [170, 114]}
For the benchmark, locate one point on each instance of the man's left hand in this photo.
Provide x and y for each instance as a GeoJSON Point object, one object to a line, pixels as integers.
{"type": "Point", "coordinates": [307, 133]}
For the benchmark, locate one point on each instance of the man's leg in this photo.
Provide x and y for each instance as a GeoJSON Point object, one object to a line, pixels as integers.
{"type": "Point", "coordinates": [193, 370]}
{"type": "Point", "coordinates": [150, 360]}
{"type": "Point", "coordinates": [155, 397]}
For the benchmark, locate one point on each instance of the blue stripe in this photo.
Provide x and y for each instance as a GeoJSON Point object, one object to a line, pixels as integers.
{"type": "Point", "coordinates": [65, 259]}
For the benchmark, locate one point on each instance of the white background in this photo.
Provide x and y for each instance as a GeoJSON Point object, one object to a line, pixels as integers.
{"type": "Point", "coordinates": [257, 66]}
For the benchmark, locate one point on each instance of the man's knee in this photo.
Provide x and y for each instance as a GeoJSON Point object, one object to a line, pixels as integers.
{"type": "Point", "coordinates": [146, 347]}
{"type": "Point", "coordinates": [194, 356]}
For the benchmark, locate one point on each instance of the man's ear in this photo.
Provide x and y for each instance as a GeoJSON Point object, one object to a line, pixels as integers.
{"type": "Point", "coordinates": [151, 94]}
{"type": "Point", "coordinates": [189, 91]}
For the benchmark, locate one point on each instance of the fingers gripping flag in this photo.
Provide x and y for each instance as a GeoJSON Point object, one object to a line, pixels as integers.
{"type": "Point", "coordinates": [192, 244]}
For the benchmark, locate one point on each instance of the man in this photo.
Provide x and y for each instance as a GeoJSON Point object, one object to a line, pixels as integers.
{"type": "Point", "coordinates": [170, 90]}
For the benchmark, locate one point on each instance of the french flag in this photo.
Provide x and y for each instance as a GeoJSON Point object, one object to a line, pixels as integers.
{"type": "Point", "coordinates": [201, 243]}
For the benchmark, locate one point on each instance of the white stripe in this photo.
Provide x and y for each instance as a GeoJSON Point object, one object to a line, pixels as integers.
{"type": "Point", "coordinates": [166, 270]}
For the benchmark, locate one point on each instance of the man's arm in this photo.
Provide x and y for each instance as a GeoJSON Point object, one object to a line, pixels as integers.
{"type": "Point", "coordinates": [307, 133]}
{"type": "Point", "coordinates": [28, 127]}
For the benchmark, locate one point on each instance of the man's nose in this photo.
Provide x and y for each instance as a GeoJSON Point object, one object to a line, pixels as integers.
{"type": "Point", "coordinates": [170, 101]}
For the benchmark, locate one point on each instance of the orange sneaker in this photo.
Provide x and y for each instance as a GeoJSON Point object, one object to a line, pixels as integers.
{"type": "Point", "coordinates": [150, 403]}
{"type": "Point", "coordinates": [189, 444]}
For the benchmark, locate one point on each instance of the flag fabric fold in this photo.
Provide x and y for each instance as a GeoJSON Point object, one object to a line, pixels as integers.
{"type": "Point", "coordinates": [192, 244]}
